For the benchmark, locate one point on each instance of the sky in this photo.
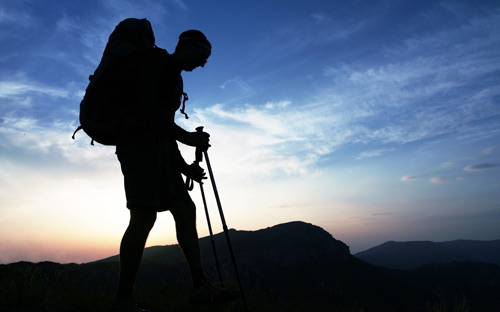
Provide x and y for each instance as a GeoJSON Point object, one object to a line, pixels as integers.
{"type": "Point", "coordinates": [375, 120]}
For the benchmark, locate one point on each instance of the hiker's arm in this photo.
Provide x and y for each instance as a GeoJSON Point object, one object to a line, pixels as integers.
{"type": "Point", "coordinates": [193, 171]}
{"type": "Point", "coordinates": [167, 126]}
{"type": "Point", "coordinates": [196, 139]}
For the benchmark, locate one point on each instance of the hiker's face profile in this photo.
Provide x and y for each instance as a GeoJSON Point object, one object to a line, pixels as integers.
{"type": "Point", "coordinates": [196, 56]}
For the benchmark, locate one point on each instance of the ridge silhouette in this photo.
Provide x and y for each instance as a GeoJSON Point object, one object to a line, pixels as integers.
{"type": "Point", "coordinates": [410, 255]}
{"type": "Point", "coordinates": [323, 276]}
{"type": "Point", "coordinates": [276, 243]}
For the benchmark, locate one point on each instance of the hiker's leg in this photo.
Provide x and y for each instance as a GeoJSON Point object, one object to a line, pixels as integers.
{"type": "Point", "coordinates": [202, 292]}
{"type": "Point", "coordinates": [131, 249]}
{"type": "Point", "coordinates": [187, 236]}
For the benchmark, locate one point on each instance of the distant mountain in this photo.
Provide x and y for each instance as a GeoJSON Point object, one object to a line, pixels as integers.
{"type": "Point", "coordinates": [289, 243]}
{"type": "Point", "coordinates": [409, 255]}
{"type": "Point", "coordinates": [294, 266]}
{"type": "Point", "coordinates": [295, 262]}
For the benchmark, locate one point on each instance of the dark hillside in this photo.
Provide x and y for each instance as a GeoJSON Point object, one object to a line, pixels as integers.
{"type": "Point", "coordinates": [288, 267]}
{"type": "Point", "coordinates": [478, 284]}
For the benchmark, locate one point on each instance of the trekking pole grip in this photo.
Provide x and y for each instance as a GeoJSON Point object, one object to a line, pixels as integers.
{"type": "Point", "coordinates": [199, 151]}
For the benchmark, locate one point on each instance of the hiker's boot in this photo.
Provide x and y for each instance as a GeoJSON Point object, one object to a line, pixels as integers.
{"type": "Point", "coordinates": [127, 305]}
{"type": "Point", "coordinates": [208, 294]}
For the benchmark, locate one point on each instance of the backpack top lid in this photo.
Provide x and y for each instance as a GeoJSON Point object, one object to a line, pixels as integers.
{"type": "Point", "coordinates": [129, 36]}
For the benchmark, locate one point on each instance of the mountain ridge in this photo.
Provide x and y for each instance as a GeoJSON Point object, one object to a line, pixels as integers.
{"type": "Point", "coordinates": [292, 266]}
{"type": "Point", "coordinates": [294, 235]}
{"type": "Point", "coordinates": [412, 254]}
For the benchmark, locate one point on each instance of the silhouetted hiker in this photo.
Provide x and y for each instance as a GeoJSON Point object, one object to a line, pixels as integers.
{"type": "Point", "coordinates": [152, 166]}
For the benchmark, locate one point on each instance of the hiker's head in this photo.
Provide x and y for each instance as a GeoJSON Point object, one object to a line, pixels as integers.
{"type": "Point", "coordinates": [193, 49]}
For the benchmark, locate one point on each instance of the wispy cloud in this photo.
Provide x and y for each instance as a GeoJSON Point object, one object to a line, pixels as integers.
{"type": "Point", "coordinates": [181, 4]}
{"type": "Point", "coordinates": [16, 18]}
{"type": "Point", "coordinates": [281, 104]}
{"type": "Point", "coordinates": [448, 164]}
{"type": "Point", "coordinates": [289, 141]}
{"type": "Point", "coordinates": [25, 97]}
{"type": "Point", "coordinates": [418, 94]}
{"type": "Point", "coordinates": [237, 83]}
{"type": "Point", "coordinates": [373, 153]}
{"type": "Point", "coordinates": [49, 144]}
{"type": "Point", "coordinates": [11, 89]}
{"type": "Point", "coordinates": [478, 167]}
{"type": "Point", "coordinates": [409, 178]}
{"type": "Point", "coordinates": [491, 150]}
{"type": "Point", "coordinates": [91, 36]}
{"type": "Point", "coordinates": [121, 9]}
{"type": "Point", "coordinates": [438, 180]}
{"type": "Point", "coordinates": [320, 17]}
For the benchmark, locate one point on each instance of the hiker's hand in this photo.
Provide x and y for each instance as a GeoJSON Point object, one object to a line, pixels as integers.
{"type": "Point", "coordinates": [197, 139]}
{"type": "Point", "coordinates": [195, 172]}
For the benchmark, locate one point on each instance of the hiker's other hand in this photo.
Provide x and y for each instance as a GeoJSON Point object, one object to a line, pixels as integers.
{"type": "Point", "coordinates": [195, 172]}
{"type": "Point", "coordinates": [197, 139]}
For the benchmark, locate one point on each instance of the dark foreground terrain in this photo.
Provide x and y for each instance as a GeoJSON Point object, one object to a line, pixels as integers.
{"type": "Point", "coordinates": [289, 267]}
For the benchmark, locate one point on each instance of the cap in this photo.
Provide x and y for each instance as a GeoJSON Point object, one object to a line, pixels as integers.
{"type": "Point", "coordinates": [196, 37]}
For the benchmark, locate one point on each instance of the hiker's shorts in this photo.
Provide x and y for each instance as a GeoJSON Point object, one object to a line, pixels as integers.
{"type": "Point", "coordinates": [151, 171]}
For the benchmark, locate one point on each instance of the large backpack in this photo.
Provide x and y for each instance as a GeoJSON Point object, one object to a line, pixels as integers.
{"type": "Point", "coordinates": [112, 91]}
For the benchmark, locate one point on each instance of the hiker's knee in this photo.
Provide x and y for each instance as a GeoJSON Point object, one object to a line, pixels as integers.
{"type": "Point", "coordinates": [184, 212]}
{"type": "Point", "coordinates": [143, 218]}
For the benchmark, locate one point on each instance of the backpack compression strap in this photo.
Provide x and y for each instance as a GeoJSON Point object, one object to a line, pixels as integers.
{"type": "Point", "coordinates": [185, 96]}
{"type": "Point", "coordinates": [78, 129]}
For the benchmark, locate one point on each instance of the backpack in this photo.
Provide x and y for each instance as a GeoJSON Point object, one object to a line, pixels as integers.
{"type": "Point", "coordinates": [112, 91]}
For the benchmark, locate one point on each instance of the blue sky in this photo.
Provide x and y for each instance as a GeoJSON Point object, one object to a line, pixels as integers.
{"type": "Point", "coordinates": [376, 120]}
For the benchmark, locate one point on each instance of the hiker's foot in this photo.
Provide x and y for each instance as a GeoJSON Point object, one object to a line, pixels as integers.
{"type": "Point", "coordinates": [208, 294]}
{"type": "Point", "coordinates": [127, 305]}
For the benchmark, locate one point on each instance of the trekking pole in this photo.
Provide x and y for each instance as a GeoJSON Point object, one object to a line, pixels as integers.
{"type": "Point", "coordinates": [211, 235]}
{"type": "Point", "coordinates": [224, 225]}
{"type": "Point", "coordinates": [198, 159]}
